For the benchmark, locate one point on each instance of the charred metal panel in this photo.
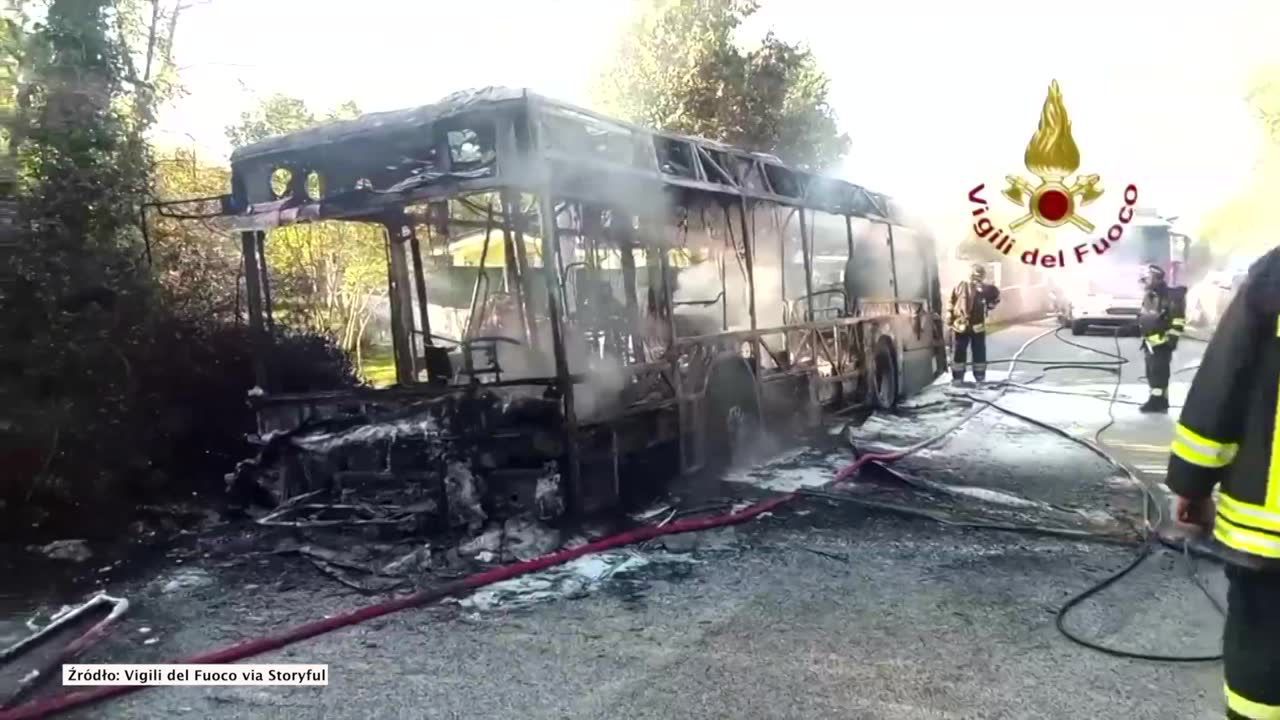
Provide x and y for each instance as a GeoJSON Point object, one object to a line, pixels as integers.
{"type": "Point", "coordinates": [460, 459]}
{"type": "Point", "coordinates": [401, 299]}
{"type": "Point", "coordinates": [379, 125]}
{"type": "Point", "coordinates": [461, 138]}
{"type": "Point", "coordinates": [676, 157]}
{"type": "Point", "coordinates": [359, 168]}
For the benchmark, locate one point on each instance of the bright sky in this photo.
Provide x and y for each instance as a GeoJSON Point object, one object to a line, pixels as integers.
{"type": "Point", "coordinates": [936, 96]}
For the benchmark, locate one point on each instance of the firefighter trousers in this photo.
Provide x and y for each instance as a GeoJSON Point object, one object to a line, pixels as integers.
{"type": "Point", "coordinates": [963, 342]}
{"type": "Point", "coordinates": [1251, 644]}
{"type": "Point", "coordinates": [1158, 359]}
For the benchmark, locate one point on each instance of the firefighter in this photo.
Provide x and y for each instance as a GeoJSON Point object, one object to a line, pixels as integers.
{"type": "Point", "coordinates": [1225, 438]}
{"type": "Point", "coordinates": [1160, 322]}
{"type": "Point", "coordinates": [971, 300]}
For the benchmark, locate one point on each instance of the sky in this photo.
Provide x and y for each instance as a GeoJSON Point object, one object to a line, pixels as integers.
{"type": "Point", "coordinates": [935, 96]}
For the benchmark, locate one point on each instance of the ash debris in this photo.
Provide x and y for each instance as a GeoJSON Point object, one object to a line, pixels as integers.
{"type": "Point", "coordinates": [470, 477]}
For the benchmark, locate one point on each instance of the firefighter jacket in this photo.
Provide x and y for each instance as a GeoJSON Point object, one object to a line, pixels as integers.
{"type": "Point", "coordinates": [970, 302]}
{"type": "Point", "coordinates": [1162, 317]}
{"type": "Point", "coordinates": [1228, 435]}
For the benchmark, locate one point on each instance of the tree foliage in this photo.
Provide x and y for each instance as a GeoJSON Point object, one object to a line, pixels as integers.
{"type": "Point", "coordinates": [76, 302]}
{"type": "Point", "coordinates": [11, 40]}
{"type": "Point", "coordinates": [680, 69]}
{"type": "Point", "coordinates": [116, 376]}
{"type": "Point", "coordinates": [1246, 222]}
{"type": "Point", "coordinates": [325, 276]}
{"type": "Point", "coordinates": [197, 264]}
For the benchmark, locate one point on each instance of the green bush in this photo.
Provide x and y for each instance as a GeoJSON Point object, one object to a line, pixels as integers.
{"type": "Point", "coordinates": [169, 415]}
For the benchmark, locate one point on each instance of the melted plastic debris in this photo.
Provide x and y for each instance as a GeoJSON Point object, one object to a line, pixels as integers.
{"type": "Point", "coordinates": [416, 561]}
{"type": "Point", "coordinates": [547, 495]}
{"type": "Point", "coordinates": [524, 539]}
{"type": "Point", "coordinates": [1097, 517]}
{"type": "Point", "coordinates": [802, 468]}
{"type": "Point", "coordinates": [658, 509]}
{"type": "Point", "coordinates": [995, 497]}
{"type": "Point", "coordinates": [184, 579]}
{"type": "Point", "coordinates": [571, 580]}
{"type": "Point", "coordinates": [71, 550]}
{"type": "Point", "coordinates": [464, 494]}
{"type": "Point", "coordinates": [488, 541]}
{"type": "Point", "coordinates": [424, 425]}
{"type": "Point", "coordinates": [1119, 481]}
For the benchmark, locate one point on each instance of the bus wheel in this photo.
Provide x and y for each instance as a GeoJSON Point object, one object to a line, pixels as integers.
{"type": "Point", "coordinates": [733, 418]}
{"type": "Point", "coordinates": [884, 379]}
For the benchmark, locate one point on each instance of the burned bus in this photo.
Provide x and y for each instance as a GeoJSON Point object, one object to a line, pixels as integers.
{"type": "Point", "coordinates": [646, 304]}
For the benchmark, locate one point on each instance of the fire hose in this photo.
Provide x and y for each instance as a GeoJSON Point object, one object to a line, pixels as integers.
{"type": "Point", "coordinates": [119, 606]}
{"type": "Point", "coordinates": [1149, 528]}
{"type": "Point", "coordinates": [49, 707]}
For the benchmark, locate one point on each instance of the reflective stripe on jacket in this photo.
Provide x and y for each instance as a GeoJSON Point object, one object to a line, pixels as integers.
{"type": "Point", "coordinates": [1228, 435]}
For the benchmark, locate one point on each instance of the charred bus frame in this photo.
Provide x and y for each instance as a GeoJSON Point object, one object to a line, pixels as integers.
{"type": "Point", "coordinates": [594, 183]}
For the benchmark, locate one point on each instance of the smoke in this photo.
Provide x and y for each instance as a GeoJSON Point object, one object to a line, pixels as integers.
{"type": "Point", "coordinates": [605, 375]}
{"type": "Point", "coordinates": [606, 378]}
{"type": "Point", "coordinates": [767, 224]}
{"type": "Point", "coordinates": [701, 281]}
{"type": "Point", "coordinates": [711, 291]}
{"type": "Point", "coordinates": [449, 322]}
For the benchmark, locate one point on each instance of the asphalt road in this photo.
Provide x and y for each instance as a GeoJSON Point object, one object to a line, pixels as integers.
{"type": "Point", "coordinates": [820, 610]}
{"type": "Point", "coordinates": [1141, 441]}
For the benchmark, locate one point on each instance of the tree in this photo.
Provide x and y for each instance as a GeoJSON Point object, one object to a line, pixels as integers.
{"type": "Point", "coordinates": [118, 378]}
{"type": "Point", "coordinates": [680, 70]}
{"type": "Point", "coordinates": [79, 306]}
{"type": "Point", "coordinates": [1246, 222]}
{"type": "Point", "coordinates": [196, 264]}
{"type": "Point", "coordinates": [11, 40]}
{"type": "Point", "coordinates": [325, 275]}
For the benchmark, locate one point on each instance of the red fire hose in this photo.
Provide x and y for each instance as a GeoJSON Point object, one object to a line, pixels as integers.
{"type": "Point", "coordinates": [250, 648]}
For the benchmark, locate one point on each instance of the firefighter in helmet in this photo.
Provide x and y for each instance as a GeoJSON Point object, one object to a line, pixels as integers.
{"type": "Point", "coordinates": [1225, 438]}
{"type": "Point", "coordinates": [1160, 323]}
{"type": "Point", "coordinates": [971, 300]}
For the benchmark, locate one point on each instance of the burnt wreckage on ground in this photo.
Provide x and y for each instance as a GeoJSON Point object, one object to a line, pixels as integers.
{"type": "Point", "coordinates": [660, 302]}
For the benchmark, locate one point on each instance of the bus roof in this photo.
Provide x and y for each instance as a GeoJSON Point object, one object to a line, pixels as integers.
{"type": "Point", "coordinates": [491, 138]}
{"type": "Point", "coordinates": [376, 124]}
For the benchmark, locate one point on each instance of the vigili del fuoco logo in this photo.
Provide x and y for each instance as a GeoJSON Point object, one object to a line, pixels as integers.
{"type": "Point", "coordinates": [1057, 199]}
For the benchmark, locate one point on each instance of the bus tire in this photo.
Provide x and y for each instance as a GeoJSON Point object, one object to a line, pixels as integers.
{"type": "Point", "coordinates": [732, 420]}
{"type": "Point", "coordinates": [884, 376]}
{"type": "Point", "coordinates": [1079, 327]}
